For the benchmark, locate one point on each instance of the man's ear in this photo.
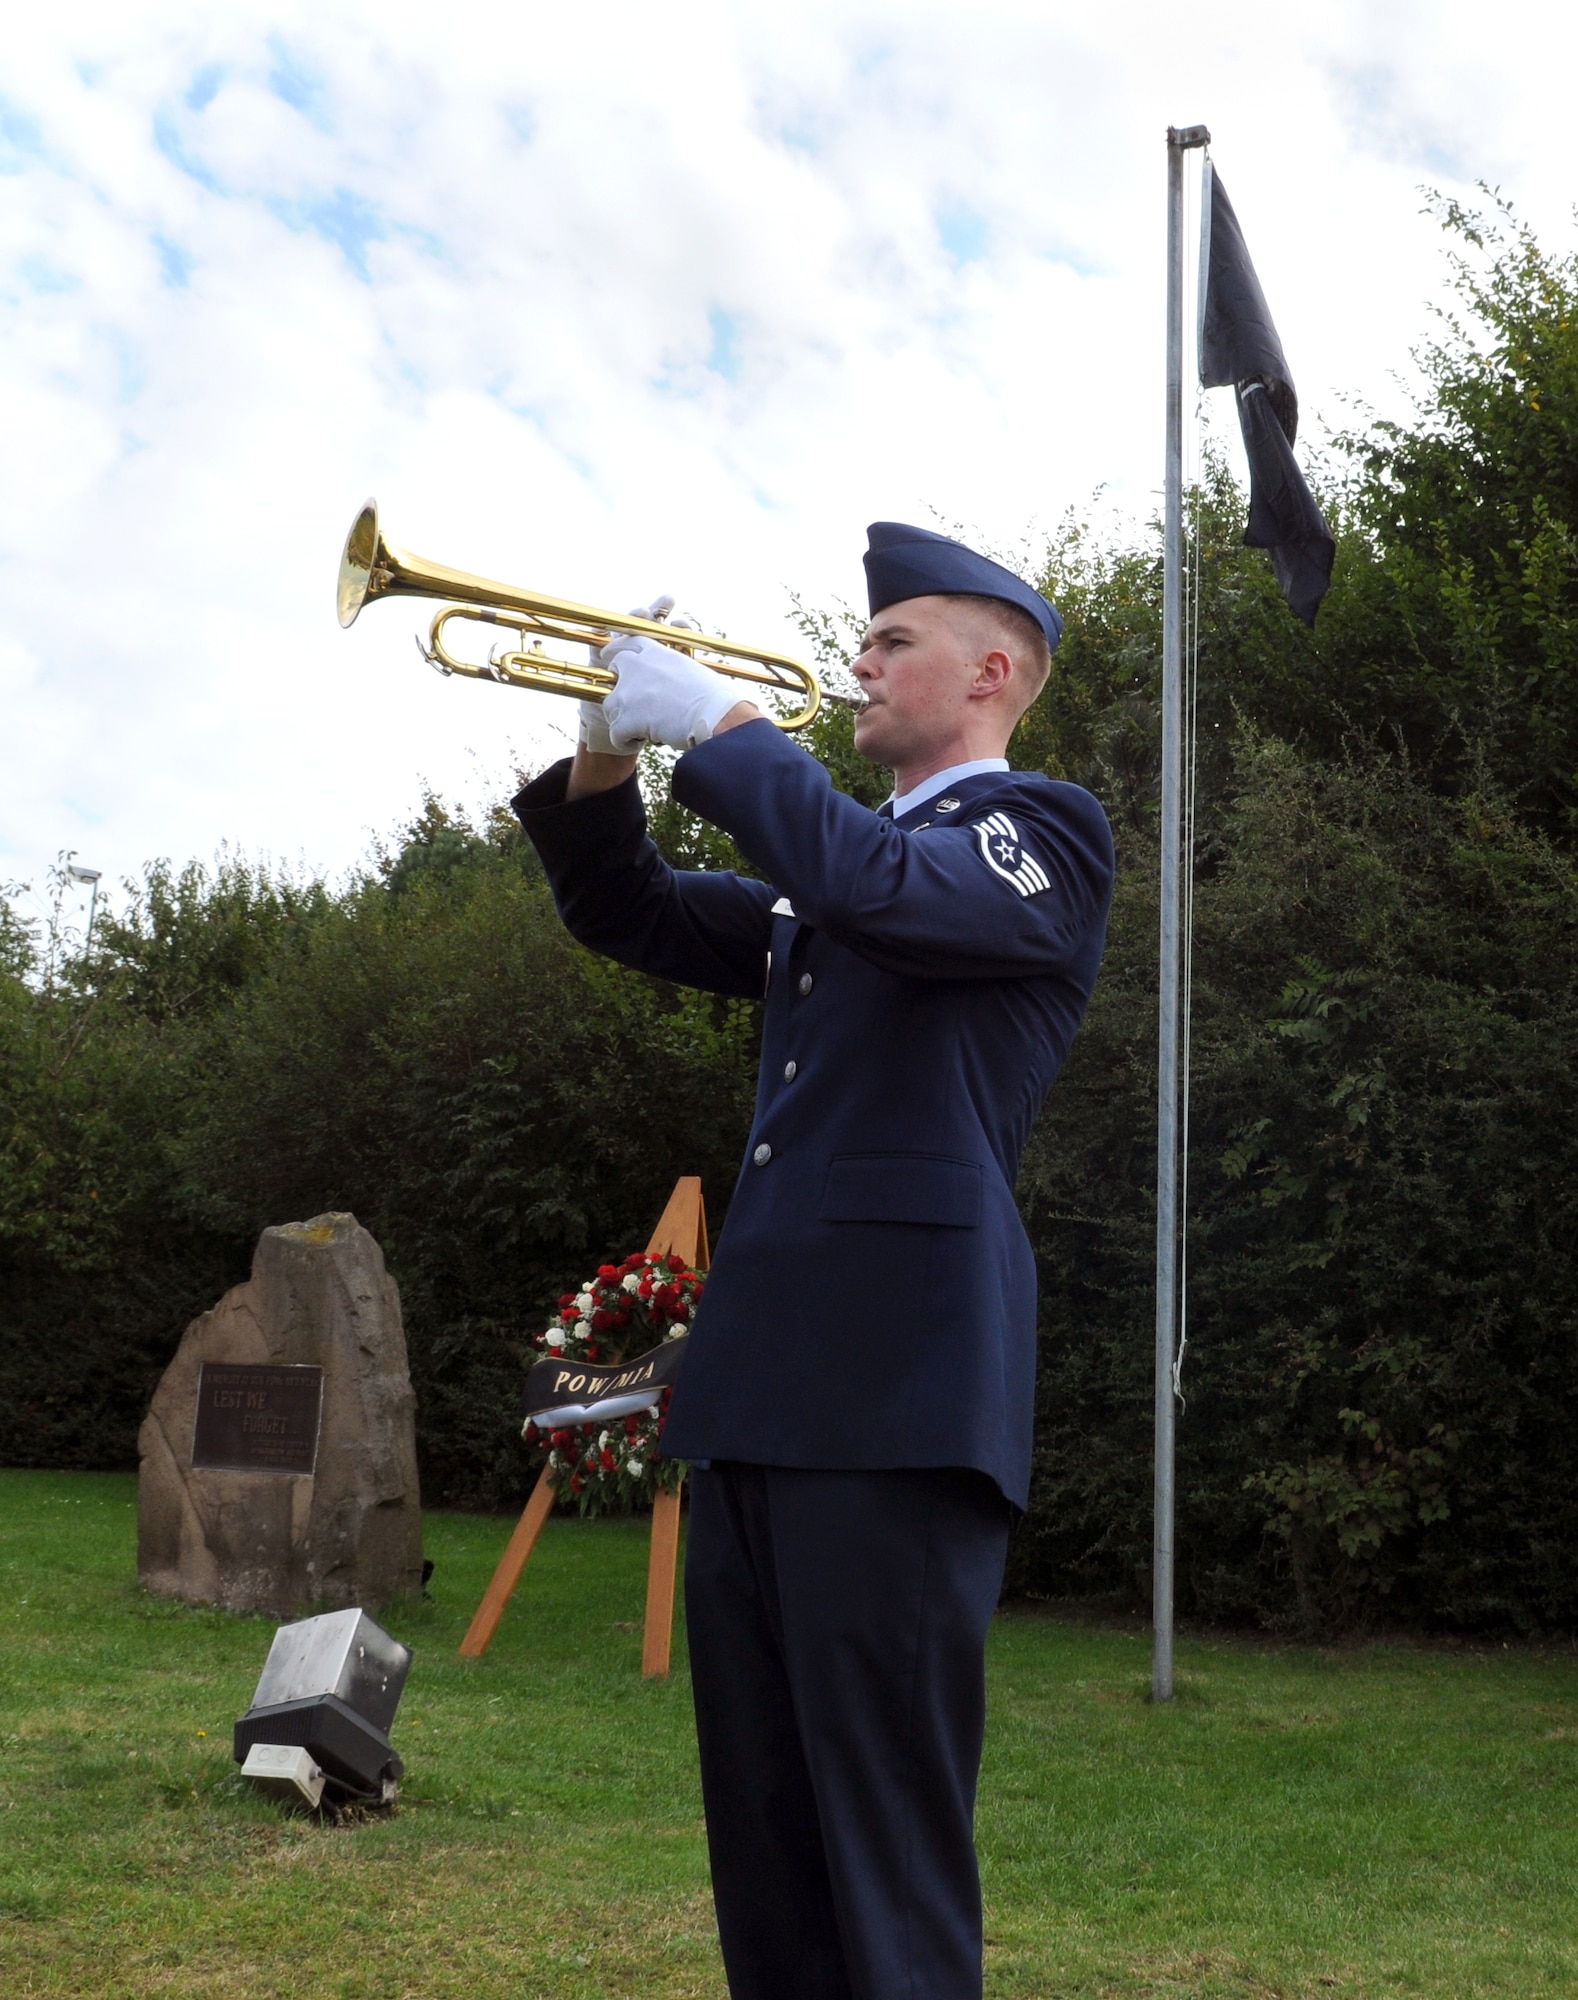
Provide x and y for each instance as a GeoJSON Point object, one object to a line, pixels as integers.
{"type": "Point", "coordinates": [993, 673]}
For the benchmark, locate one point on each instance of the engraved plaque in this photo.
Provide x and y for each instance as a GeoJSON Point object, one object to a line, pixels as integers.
{"type": "Point", "coordinates": [262, 1419]}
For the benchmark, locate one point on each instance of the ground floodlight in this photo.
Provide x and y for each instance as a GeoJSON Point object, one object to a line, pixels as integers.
{"type": "Point", "coordinates": [320, 1717]}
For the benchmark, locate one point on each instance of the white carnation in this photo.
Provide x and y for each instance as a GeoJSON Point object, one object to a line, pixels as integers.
{"type": "Point", "coordinates": [630, 1282]}
{"type": "Point", "coordinates": [555, 1337]}
{"type": "Point", "coordinates": [602, 1441]}
{"type": "Point", "coordinates": [635, 1467]}
{"type": "Point", "coordinates": [583, 1302]}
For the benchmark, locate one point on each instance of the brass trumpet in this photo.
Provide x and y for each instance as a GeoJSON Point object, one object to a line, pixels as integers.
{"type": "Point", "coordinates": [372, 568]}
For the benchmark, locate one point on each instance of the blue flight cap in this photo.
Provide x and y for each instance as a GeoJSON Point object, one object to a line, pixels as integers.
{"type": "Point", "coordinates": [913, 562]}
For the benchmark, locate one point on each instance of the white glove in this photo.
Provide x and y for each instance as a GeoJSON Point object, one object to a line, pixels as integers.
{"type": "Point", "coordinates": [594, 734]}
{"type": "Point", "coordinates": [662, 696]}
{"type": "Point", "coordinates": [594, 730]}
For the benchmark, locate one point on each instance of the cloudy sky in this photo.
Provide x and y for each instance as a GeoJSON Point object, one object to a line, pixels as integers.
{"type": "Point", "coordinates": [616, 298]}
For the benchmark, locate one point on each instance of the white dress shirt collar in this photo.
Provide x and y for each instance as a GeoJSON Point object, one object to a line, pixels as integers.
{"type": "Point", "coordinates": [939, 781]}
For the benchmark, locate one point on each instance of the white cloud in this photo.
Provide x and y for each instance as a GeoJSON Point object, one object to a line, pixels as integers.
{"type": "Point", "coordinates": [611, 300]}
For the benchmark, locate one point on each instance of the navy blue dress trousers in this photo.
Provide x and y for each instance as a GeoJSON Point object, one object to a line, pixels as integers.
{"type": "Point", "coordinates": [856, 1396]}
{"type": "Point", "coordinates": [837, 1625]}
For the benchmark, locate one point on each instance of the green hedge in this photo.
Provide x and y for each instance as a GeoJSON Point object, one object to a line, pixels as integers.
{"type": "Point", "coordinates": [429, 1051]}
{"type": "Point", "coordinates": [1383, 1220]}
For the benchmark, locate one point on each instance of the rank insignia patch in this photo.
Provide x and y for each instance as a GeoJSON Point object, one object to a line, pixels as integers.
{"type": "Point", "coordinates": [1005, 855]}
{"type": "Point", "coordinates": [947, 805]}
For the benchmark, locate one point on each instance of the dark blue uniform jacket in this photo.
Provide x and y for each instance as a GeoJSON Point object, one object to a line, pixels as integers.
{"type": "Point", "coordinates": [872, 1297]}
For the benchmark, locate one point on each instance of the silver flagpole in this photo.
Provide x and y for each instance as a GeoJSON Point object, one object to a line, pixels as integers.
{"type": "Point", "coordinates": [1167, 1079]}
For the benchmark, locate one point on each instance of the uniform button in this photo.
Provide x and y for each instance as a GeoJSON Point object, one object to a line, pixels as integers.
{"type": "Point", "coordinates": [789, 1071]}
{"type": "Point", "coordinates": [763, 1154]}
{"type": "Point", "coordinates": [806, 982]}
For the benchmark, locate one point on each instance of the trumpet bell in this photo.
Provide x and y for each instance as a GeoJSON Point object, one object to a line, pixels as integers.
{"type": "Point", "coordinates": [357, 564]}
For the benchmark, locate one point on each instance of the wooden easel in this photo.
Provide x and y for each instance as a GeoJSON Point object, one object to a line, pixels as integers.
{"type": "Point", "coordinates": [681, 1230]}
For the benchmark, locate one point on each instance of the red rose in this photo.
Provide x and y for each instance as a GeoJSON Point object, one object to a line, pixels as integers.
{"type": "Point", "coordinates": [676, 1263]}
{"type": "Point", "coordinates": [576, 1482]}
{"type": "Point", "coordinates": [566, 1299]}
{"type": "Point", "coordinates": [591, 1350]}
{"type": "Point", "coordinates": [602, 1320]}
{"type": "Point", "coordinates": [682, 1312]}
{"type": "Point", "coordinates": [632, 1426]}
{"type": "Point", "coordinates": [532, 1434]}
{"type": "Point", "coordinates": [608, 1273]}
{"type": "Point", "coordinates": [608, 1461]}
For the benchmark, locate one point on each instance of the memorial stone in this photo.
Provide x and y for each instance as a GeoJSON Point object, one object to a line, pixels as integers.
{"type": "Point", "coordinates": [278, 1458]}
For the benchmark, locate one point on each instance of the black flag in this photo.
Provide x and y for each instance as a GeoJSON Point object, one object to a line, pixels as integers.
{"type": "Point", "coordinates": [1239, 347]}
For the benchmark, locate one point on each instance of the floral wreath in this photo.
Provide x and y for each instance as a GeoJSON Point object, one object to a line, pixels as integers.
{"type": "Point", "coordinates": [625, 1310]}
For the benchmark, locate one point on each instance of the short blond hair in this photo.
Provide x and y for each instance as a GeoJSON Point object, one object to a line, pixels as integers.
{"type": "Point", "coordinates": [1019, 636]}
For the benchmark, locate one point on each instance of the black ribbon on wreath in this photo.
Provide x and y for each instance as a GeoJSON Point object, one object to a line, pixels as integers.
{"type": "Point", "coordinates": [561, 1392]}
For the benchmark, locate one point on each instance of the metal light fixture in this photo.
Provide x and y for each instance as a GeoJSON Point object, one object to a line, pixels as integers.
{"type": "Point", "coordinates": [89, 875]}
{"type": "Point", "coordinates": [320, 1718]}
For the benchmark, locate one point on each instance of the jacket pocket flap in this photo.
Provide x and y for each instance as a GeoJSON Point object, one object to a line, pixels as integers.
{"type": "Point", "coordinates": [902, 1187]}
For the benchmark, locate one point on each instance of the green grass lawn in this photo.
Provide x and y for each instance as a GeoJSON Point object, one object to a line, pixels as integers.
{"type": "Point", "coordinates": [1385, 1821]}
